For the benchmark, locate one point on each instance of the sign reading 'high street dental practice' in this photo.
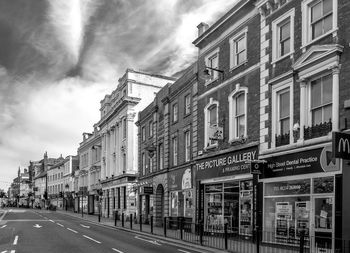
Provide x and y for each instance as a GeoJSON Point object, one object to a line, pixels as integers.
{"type": "Point", "coordinates": [226, 164]}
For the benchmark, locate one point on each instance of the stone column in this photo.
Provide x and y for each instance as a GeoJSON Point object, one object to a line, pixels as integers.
{"type": "Point", "coordinates": [302, 109]}
{"type": "Point", "coordinates": [335, 99]}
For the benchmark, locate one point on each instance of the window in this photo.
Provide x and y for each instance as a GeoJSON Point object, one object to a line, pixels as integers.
{"type": "Point", "coordinates": [238, 113]}
{"type": "Point", "coordinates": [150, 161]}
{"type": "Point", "coordinates": [187, 104]}
{"type": "Point", "coordinates": [238, 47]}
{"type": "Point", "coordinates": [150, 129]}
{"type": "Point", "coordinates": [187, 146]}
{"type": "Point", "coordinates": [282, 111]}
{"type": "Point", "coordinates": [321, 100]}
{"type": "Point", "coordinates": [124, 163]}
{"type": "Point", "coordinates": [319, 18]}
{"type": "Point", "coordinates": [143, 165]}
{"type": "Point", "coordinates": [161, 156]}
{"type": "Point", "coordinates": [143, 133]}
{"type": "Point", "coordinates": [282, 35]}
{"type": "Point", "coordinates": [174, 144]}
{"type": "Point", "coordinates": [118, 194]}
{"type": "Point", "coordinates": [211, 121]}
{"type": "Point", "coordinates": [212, 61]}
{"type": "Point", "coordinates": [124, 197]}
{"type": "Point", "coordinates": [175, 113]}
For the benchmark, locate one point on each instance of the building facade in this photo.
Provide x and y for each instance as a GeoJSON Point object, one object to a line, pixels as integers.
{"type": "Point", "coordinates": [89, 152]}
{"type": "Point", "coordinates": [119, 110]}
{"type": "Point", "coordinates": [227, 129]}
{"type": "Point", "coordinates": [55, 184]}
{"type": "Point", "coordinates": [303, 99]}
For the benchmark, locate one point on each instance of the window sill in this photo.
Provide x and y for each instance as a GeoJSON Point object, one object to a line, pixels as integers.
{"type": "Point", "coordinates": [291, 55]}
{"type": "Point", "coordinates": [238, 140]}
{"type": "Point", "coordinates": [211, 147]}
{"type": "Point", "coordinates": [239, 65]}
{"type": "Point", "coordinates": [186, 115]}
{"type": "Point", "coordinates": [211, 81]}
{"type": "Point", "coordinates": [334, 32]}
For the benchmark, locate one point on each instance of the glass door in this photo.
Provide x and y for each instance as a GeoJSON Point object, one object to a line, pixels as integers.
{"type": "Point", "coordinates": [323, 224]}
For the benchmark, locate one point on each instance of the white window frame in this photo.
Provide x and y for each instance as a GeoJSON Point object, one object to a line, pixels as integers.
{"type": "Point", "coordinates": [161, 155]}
{"type": "Point", "coordinates": [233, 53]}
{"type": "Point", "coordinates": [187, 146]}
{"type": "Point", "coordinates": [276, 24]}
{"type": "Point", "coordinates": [175, 110]}
{"type": "Point", "coordinates": [306, 22]}
{"type": "Point", "coordinates": [150, 130]}
{"type": "Point", "coordinates": [215, 74]}
{"type": "Point", "coordinates": [308, 89]}
{"type": "Point", "coordinates": [276, 89]}
{"type": "Point", "coordinates": [232, 108]}
{"type": "Point", "coordinates": [175, 150]}
{"type": "Point", "coordinates": [143, 161]}
{"type": "Point", "coordinates": [143, 133]}
{"type": "Point", "coordinates": [211, 103]}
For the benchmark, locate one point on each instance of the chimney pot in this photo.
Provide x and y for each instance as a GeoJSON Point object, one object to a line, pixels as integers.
{"type": "Point", "coordinates": [202, 27]}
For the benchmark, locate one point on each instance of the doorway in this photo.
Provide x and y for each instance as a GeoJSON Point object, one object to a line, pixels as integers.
{"type": "Point", "coordinates": [322, 227]}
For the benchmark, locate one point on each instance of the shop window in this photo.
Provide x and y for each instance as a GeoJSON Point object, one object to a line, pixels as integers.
{"type": "Point", "coordinates": [181, 204]}
{"type": "Point", "coordinates": [323, 185]}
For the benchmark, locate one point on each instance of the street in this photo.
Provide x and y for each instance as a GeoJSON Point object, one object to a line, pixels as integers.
{"type": "Point", "coordinates": [27, 230]}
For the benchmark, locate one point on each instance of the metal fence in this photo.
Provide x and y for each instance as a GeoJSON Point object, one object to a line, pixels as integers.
{"type": "Point", "coordinates": [229, 238]}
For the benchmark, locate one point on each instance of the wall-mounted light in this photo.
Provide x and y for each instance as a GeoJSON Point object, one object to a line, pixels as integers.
{"type": "Point", "coordinates": [207, 75]}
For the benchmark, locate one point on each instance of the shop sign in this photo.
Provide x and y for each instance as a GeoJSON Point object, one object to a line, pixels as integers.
{"type": "Point", "coordinates": [227, 164]}
{"type": "Point", "coordinates": [341, 145]}
{"type": "Point", "coordinates": [180, 179]}
{"type": "Point", "coordinates": [148, 189]}
{"type": "Point", "coordinates": [310, 161]}
{"type": "Point", "coordinates": [294, 187]}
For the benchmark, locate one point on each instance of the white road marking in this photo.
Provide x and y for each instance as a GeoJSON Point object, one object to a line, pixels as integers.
{"type": "Point", "coordinates": [59, 224]}
{"type": "Point", "coordinates": [117, 250]}
{"type": "Point", "coordinates": [150, 241]}
{"type": "Point", "coordinates": [72, 230]}
{"type": "Point", "coordinates": [13, 251]}
{"type": "Point", "coordinates": [184, 251]}
{"type": "Point", "coordinates": [3, 226]}
{"type": "Point", "coordinates": [52, 221]}
{"type": "Point", "coordinates": [37, 226]}
{"type": "Point", "coordinates": [91, 239]}
{"type": "Point", "coordinates": [84, 226]}
{"type": "Point", "coordinates": [16, 240]}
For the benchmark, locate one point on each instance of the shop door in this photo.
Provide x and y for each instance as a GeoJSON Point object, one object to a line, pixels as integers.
{"type": "Point", "coordinates": [322, 230]}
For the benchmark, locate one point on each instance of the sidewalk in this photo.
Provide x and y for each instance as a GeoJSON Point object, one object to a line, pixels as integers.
{"type": "Point", "coordinates": [172, 236]}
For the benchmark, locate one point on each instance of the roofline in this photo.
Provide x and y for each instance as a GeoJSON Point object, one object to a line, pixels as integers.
{"type": "Point", "coordinates": [219, 22]}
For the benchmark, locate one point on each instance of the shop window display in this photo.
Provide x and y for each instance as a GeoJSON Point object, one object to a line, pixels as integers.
{"type": "Point", "coordinates": [181, 203]}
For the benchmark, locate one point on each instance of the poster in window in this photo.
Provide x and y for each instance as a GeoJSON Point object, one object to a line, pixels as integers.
{"type": "Point", "coordinates": [284, 210]}
{"type": "Point", "coordinates": [302, 217]}
{"type": "Point", "coordinates": [245, 223]}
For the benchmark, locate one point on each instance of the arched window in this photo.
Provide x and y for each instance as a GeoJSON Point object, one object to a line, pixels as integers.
{"type": "Point", "coordinates": [211, 118]}
{"type": "Point", "coordinates": [238, 113]}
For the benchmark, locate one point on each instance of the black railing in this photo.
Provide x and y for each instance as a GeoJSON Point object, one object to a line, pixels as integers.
{"type": "Point", "coordinates": [318, 130]}
{"type": "Point", "coordinates": [282, 139]}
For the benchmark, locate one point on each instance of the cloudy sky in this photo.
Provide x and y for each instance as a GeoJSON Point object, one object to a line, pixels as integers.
{"type": "Point", "coordinates": [58, 58]}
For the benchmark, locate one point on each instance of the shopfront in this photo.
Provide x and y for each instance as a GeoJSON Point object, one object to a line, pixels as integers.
{"type": "Point", "coordinates": [181, 194]}
{"type": "Point", "coordinates": [224, 193]}
{"type": "Point", "coordinates": [146, 199]}
{"type": "Point", "coordinates": [300, 197]}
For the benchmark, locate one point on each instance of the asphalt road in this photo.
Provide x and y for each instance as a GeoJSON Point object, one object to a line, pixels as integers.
{"type": "Point", "coordinates": [27, 230]}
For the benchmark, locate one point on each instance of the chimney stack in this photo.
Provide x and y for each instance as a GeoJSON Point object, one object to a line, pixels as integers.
{"type": "Point", "coordinates": [202, 27]}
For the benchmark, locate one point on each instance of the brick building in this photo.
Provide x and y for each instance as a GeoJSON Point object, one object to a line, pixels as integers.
{"type": "Point", "coordinates": [227, 122]}
{"type": "Point", "coordinates": [304, 96]}
{"type": "Point", "coordinates": [165, 151]}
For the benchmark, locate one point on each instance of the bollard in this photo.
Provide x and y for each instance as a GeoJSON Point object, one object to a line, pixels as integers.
{"type": "Point", "coordinates": [164, 226]}
{"type": "Point", "coordinates": [302, 241]}
{"type": "Point", "coordinates": [181, 228]}
{"type": "Point", "coordinates": [226, 235]}
{"type": "Point", "coordinates": [201, 232]}
{"type": "Point", "coordinates": [151, 224]}
{"type": "Point", "coordinates": [140, 221]}
{"type": "Point", "coordinates": [122, 219]}
{"type": "Point", "coordinates": [131, 221]}
{"type": "Point", "coordinates": [99, 216]}
{"type": "Point", "coordinates": [115, 218]}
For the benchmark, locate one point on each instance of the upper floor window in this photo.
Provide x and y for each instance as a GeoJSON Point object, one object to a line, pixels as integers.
{"type": "Point", "coordinates": [283, 101]}
{"type": "Point", "coordinates": [161, 156]}
{"type": "Point", "coordinates": [319, 18]}
{"type": "Point", "coordinates": [124, 163]}
{"type": "Point", "coordinates": [212, 61]}
{"type": "Point", "coordinates": [174, 144]}
{"type": "Point", "coordinates": [321, 100]}
{"type": "Point", "coordinates": [211, 115]}
{"type": "Point", "coordinates": [150, 129]}
{"type": "Point", "coordinates": [187, 104]}
{"type": "Point", "coordinates": [175, 113]}
{"type": "Point", "coordinates": [238, 48]}
{"type": "Point", "coordinates": [150, 164]}
{"type": "Point", "coordinates": [143, 133]}
{"type": "Point", "coordinates": [238, 112]}
{"type": "Point", "coordinates": [187, 146]}
{"type": "Point", "coordinates": [124, 128]}
{"type": "Point", "coordinates": [282, 35]}
{"type": "Point", "coordinates": [143, 165]}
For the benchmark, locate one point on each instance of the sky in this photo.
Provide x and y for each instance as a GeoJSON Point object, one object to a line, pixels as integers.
{"type": "Point", "coordinates": [58, 59]}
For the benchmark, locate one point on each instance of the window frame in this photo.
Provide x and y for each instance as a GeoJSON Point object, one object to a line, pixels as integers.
{"type": "Point", "coordinates": [150, 129]}
{"type": "Point", "coordinates": [187, 108]}
{"type": "Point", "coordinates": [143, 163]}
{"type": "Point", "coordinates": [276, 90]}
{"type": "Point", "coordinates": [233, 54]}
{"type": "Point", "coordinates": [207, 143]}
{"type": "Point", "coordinates": [187, 136]}
{"type": "Point", "coordinates": [175, 112]}
{"type": "Point", "coordinates": [143, 133]}
{"type": "Point", "coordinates": [276, 25]}
{"type": "Point", "coordinates": [307, 26]}
{"type": "Point", "coordinates": [214, 74]}
{"type": "Point", "coordinates": [232, 99]}
{"type": "Point", "coordinates": [161, 155]}
{"type": "Point", "coordinates": [175, 146]}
